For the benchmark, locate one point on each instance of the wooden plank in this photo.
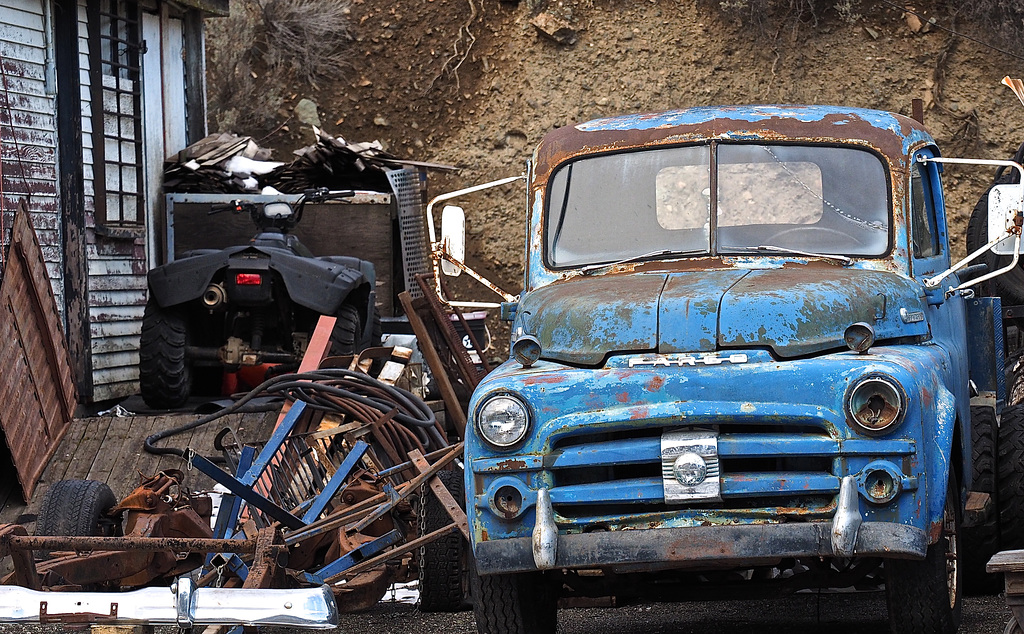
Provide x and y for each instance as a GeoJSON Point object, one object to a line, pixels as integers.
{"type": "Point", "coordinates": [87, 450]}
{"type": "Point", "coordinates": [107, 459]}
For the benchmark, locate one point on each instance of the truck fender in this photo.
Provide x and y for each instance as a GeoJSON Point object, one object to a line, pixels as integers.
{"type": "Point", "coordinates": [939, 457]}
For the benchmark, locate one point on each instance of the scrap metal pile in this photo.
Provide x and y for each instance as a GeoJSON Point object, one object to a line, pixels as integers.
{"type": "Point", "coordinates": [226, 164]}
{"type": "Point", "coordinates": [329, 499]}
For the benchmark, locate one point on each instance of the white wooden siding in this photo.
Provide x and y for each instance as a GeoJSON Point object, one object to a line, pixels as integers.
{"type": "Point", "coordinates": [28, 130]}
{"type": "Point", "coordinates": [117, 268]}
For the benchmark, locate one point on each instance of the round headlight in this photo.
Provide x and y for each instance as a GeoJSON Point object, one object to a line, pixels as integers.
{"type": "Point", "coordinates": [875, 403]}
{"type": "Point", "coordinates": [503, 420]}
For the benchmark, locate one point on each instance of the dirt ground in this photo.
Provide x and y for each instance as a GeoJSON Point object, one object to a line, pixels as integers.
{"type": "Point", "coordinates": [473, 83]}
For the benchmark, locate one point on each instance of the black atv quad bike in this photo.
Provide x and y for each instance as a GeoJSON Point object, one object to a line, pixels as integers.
{"type": "Point", "coordinates": [215, 310]}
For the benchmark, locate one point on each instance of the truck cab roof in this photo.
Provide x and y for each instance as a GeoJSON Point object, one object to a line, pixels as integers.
{"type": "Point", "coordinates": [892, 135]}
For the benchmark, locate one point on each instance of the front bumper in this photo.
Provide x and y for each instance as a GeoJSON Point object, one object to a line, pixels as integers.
{"type": "Point", "coordinates": [181, 605]}
{"type": "Point", "coordinates": [700, 546]}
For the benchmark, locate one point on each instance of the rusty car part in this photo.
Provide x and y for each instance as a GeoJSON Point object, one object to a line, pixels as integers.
{"type": "Point", "coordinates": [328, 491]}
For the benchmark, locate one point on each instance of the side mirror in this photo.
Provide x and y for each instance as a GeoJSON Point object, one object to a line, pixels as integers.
{"type": "Point", "coordinates": [1004, 203]}
{"type": "Point", "coordinates": [453, 237]}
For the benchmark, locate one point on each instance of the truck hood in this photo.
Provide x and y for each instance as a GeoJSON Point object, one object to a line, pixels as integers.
{"type": "Point", "coordinates": [794, 311]}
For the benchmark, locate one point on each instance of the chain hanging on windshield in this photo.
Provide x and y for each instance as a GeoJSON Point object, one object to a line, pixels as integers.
{"type": "Point", "coordinates": [843, 214]}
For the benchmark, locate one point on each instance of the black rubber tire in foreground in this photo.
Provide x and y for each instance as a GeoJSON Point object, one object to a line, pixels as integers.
{"type": "Point", "coordinates": [165, 376]}
{"type": "Point", "coordinates": [982, 541]}
{"type": "Point", "coordinates": [348, 337]}
{"type": "Point", "coordinates": [514, 604]}
{"type": "Point", "coordinates": [77, 508]}
{"type": "Point", "coordinates": [1010, 483]}
{"type": "Point", "coordinates": [924, 596]}
{"type": "Point", "coordinates": [443, 570]}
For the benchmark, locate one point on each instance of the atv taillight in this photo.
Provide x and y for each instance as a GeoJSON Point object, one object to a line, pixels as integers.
{"type": "Point", "coordinates": [248, 279]}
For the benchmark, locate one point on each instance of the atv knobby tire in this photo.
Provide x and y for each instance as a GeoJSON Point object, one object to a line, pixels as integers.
{"type": "Point", "coordinates": [514, 604]}
{"type": "Point", "coordinates": [76, 508]}
{"type": "Point", "coordinates": [348, 336]}
{"type": "Point", "coordinates": [443, 571]}
{"type": "Point", "coordinates": [165, 375]}
{"type": "Point", "coordinates": [924, 596]}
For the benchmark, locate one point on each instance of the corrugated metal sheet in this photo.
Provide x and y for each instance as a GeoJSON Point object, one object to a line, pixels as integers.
{"type": "Point", "coordinates": [38, 392]}
{"type": "Point", "coordinates": [28, 128]}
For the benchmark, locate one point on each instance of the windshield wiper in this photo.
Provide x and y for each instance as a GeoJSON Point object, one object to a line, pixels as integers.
{"type": "Point", "coordinates": [643, 256]}
{"type": "Point", "coordinates": [774, 249]}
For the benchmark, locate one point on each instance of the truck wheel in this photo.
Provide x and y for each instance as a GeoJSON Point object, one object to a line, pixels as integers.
{"type": "Point", "coordinates": [443, 578]}
{"type": "Point", "coordinates": [1010, 285]}
{"type": "Point", "coordinates": [347, 336]}
{"type": "Point", "coordinates": [924, 596]}
{"type": "Point", "coordinates": [1015, 380]}
{"type": "Point", "coordinates": [1010, 493]}
{"type": "Point", "coordinates": [982, 541]}
{"type": "Point", "coordinates": [165, 376]}
{"type": "Point", "coordinates": [514, 604]}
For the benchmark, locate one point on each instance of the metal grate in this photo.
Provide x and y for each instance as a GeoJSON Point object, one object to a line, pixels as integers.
{"type": "Point", "coordinates": [115, 53]}
{"type": "Point", "coordinates": [412, 227]}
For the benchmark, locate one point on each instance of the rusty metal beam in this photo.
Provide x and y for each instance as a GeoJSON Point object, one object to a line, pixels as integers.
{"type": "Point", "coordinates": [443, 495]}
{"type": "Point", "coordinates": [92, 544]}
{"type": "Point", "coordinates": [25, 573]}
{"type": "Point", "coordinates": [437, 368]}
{"type": "Point", "coordinates": [409, 546]}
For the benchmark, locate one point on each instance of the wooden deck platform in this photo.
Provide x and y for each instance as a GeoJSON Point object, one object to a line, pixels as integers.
{"type": "Point", "coordinates": [110, 449]}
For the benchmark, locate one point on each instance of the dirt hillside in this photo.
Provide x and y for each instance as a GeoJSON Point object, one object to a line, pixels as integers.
{"type": "Point", "coordinates": [474, 83]}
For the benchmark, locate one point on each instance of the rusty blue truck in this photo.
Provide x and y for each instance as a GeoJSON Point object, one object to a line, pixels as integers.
{"type": "Point", "coordinates": [743, 360]}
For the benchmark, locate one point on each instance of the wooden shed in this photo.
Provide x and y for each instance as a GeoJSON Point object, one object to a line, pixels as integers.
{"type": "Point", "coordinates": [95, 94]}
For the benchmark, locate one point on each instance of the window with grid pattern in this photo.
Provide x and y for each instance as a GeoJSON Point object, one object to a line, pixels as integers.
{"type": "Point", "coordinates": [115, 54]}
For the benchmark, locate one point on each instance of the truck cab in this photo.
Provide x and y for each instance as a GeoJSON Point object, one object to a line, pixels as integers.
{"type": "Point", "coordinates": [731, 367]}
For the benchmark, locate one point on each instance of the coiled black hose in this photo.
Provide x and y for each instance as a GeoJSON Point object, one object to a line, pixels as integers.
{"type": "Point", "coordinates": [412, 412]}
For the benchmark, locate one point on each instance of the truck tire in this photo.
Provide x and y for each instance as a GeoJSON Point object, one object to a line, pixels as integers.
{"type": "Point", "coordinates": [443, 574]}
{"type": "Point", "coordinates": [77, 508]}
{"type": "Point", "coordinates": [165, 375]}
{"type": "Point", "coordinates": [514, 604]}
{"type": "Point", "coordinates": [348, 337]}
{"type": "Point", "coordinates": [982, 541]}
{"type": "Point", "coordinates": [1010, 469]}
{"type": "Point", "coordinates": [923, 596]}
{"type": "Point", "coordinates": [1015, 380]}
{"type": "Point", "coordinates": [1010, 285]}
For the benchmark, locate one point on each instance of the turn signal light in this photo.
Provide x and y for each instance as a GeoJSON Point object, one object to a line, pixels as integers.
{"type": "Point", "coordinates": [248, 279]}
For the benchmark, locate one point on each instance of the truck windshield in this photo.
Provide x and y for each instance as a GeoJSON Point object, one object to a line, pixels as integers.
{"type": "Point", "coordinates": [818, 199]}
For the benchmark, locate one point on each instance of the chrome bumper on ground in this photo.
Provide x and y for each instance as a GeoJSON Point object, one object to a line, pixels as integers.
{"type": "Point", "coordinates": [181, 605]}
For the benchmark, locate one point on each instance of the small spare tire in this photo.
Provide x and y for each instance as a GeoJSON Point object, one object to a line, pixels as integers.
{"type": "Point", "coordinates": [77, 508]}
